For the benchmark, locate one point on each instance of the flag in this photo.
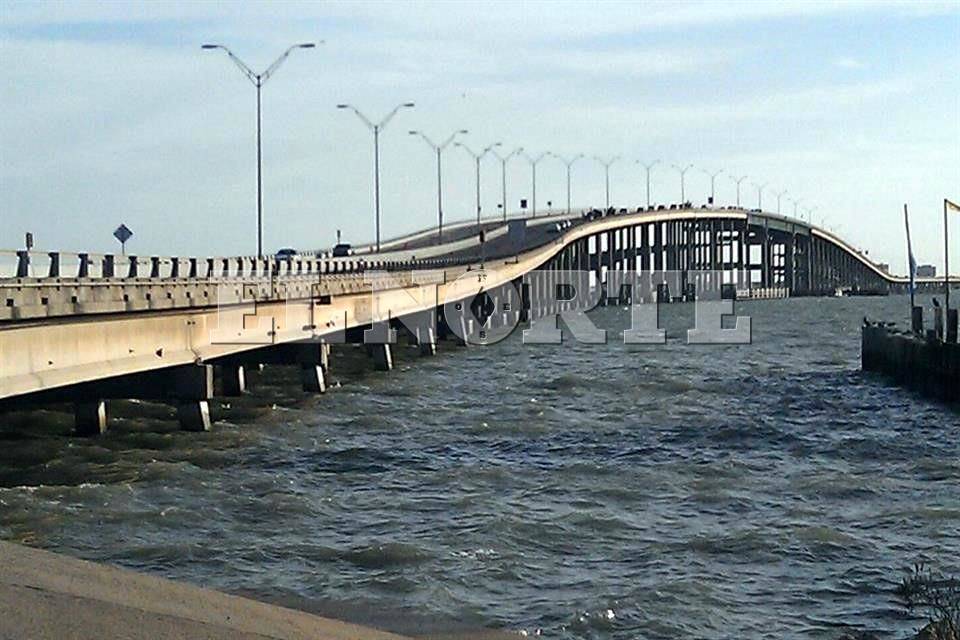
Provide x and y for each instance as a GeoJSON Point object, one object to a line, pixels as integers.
{"type": "Point", "coordinates": [952, 205]}
{"type": "Point", "coordinates": [911, 261]}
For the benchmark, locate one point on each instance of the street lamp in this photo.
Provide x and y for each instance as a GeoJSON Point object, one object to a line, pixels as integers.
{"type": "Point", "coordinates": [606, 167]}
{"type": "Point", "coordinates": [569, 162]}
{"type": "Point", "coordinates": [648, 167]}
{"type": "Point", "coordinates": [376, 128]}
{"type": "Point", "coordinates": [476, 158]}
{"type": "Point", "coordinates": [503, 175]}
{"type": "Point", "coordinates": [738, 181]}
{"type": "Point", "coordinates": [713, 178]}
{"type": "Point", "coordinates": [796, 204]}
{"type": "Point", "coordinates": [810, 211]}
{"type": "Point", "coordinates": [438, 148]}
{"type": "Point", "coordinates": [258, 80]}
{"type": "Point", "coordinates": [533, 164]}
{"type": "Point", "coordinates": [779, 195]}
{"type": "Point", "coordinates": [760, 188]}
{"type": "Point", "coordinates": [683, 173]}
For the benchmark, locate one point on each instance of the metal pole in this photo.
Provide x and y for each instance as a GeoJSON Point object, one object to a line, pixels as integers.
{"type": "Point", "coordinates": [607, 168]}
{"type": "Point", "coordinates": [946, 260]}
{"type": "Point", "coordinates": [439, 198]}
{"type": "Point", "coordinates": [569, 167]}
{"type": "Point", "coordinates": [906, 221]}
{"type": "Point", "coordinates": [534, 196]}
{"type": "Point", "coordinates": [503, 186]}
{"type": "Point", "coordinates": [376, 178]}
{"type": "Point", "coordinates": [259, 84]}
{"type": "Point", "coordinates": [478, 194]}
{"type": "Point", "coordinates": [648, 187]}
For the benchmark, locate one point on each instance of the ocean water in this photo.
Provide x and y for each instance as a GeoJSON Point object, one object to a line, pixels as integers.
{"type": "Point", "coordinates": [769, 490]}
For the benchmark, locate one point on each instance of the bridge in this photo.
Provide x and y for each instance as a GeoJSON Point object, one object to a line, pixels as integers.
{"type": "Point", "coordinates": [85, 328]}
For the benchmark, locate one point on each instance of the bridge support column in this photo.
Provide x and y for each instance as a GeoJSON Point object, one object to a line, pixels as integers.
{"type": "Point", "coordinates": [233, 379]}
{"type": "Point", "coordinates": [382, 356]}
{"type": "Point", "coordinates": [194, 415]}
{"type": "Point", "coordinates": [192, 388]}
{"type": "Point", "coordinates": [90, 418]}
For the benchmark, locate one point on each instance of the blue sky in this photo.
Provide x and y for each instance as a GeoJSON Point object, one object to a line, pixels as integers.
{"type": "Point", "coordinates": [112, 113]}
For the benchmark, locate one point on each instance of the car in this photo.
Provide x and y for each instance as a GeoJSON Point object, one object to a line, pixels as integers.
{"type": "Point", "coordinates": [286, 253]}
{"type": "Point", "coordinates": [342, 250]}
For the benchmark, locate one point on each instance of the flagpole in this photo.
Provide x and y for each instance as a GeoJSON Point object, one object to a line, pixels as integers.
{"type": "Point", "coordinates": [910, 260]}
{"type": "Point", "coordinates": [946, 257]}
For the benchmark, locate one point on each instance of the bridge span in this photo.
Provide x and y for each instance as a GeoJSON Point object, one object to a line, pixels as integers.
{"type": "Point", "coordinates": [84, 328]}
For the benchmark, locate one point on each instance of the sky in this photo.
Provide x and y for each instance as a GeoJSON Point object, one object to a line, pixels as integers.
{"type": "Point", "coordinates": [111, 112]}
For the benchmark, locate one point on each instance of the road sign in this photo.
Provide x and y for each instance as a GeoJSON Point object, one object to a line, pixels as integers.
{"type": "Point", "coordinates": [122, 233]}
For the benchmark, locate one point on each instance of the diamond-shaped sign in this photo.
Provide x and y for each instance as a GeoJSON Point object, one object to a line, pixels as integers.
{"type": "Point", "coordinates": [122, 233]}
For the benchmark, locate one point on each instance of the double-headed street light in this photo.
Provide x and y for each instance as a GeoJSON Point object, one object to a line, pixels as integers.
{"type": "Point", "coordinates": [796, 204]}
{"type": "Point", "coordinates": [258, 80]}
{"type": "Point", "coordinates": [606, 162]}
{"type": "Point", "coordinates": [376, 128]}
{"type": "Point", "coordinates": [503, 176]}
{"type": "Point", "coordinates": [648, 167]}
{"type": "Point", "coordinates": [569, 162]}
{"type": "Point", "coordinates": [779, 195]}
{"type": "Point", "coordinates": [438, 148]}
{"type": "Point", "coordinates": [477, 157]}
{"type": "Point", "coordinates": [683, 184]}
{"type": "Point", "coordinates": [760, 188]}
{"type": "Point", "coordinates": [713, 180]}
{"type": "Point", "coordinates": [533, 164]}
{"type": "Point", "coordinates": [738, 181]}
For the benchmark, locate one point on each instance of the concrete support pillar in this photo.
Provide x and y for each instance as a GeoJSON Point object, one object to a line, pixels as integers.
{"type": "Point", "coordinates": [90, 418]}
{"type": "Point", "coordinates": [382, 356]}
{"type": "Point", "coordinates": [313, 378]}
{"type": "Point", "coordinates": [194, 415]}
{"type": "Point", "coordinates": [427, 341]}
{"type": "Point", "coordinates": [233, 379]}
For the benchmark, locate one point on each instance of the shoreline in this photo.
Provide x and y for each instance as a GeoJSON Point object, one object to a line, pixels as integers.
{"type": "Point", "coordinates": [46, 595]}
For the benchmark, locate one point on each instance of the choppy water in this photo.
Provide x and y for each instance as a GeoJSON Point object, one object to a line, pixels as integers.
{"type": "Point", "coordinates": [769, 490]}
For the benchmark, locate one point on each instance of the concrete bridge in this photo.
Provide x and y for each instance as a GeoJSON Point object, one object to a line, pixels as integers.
{"type": "Point", "coordinates": [84, 328]}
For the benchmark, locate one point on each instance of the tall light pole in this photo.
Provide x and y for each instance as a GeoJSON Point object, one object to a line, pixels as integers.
{"type": "Point", "coordinates": [258, 80]}
{"type": "Point", "coordinates": [477, 157]}
{"type": "Point", "coordinates": [438, 149]}
{"type": "Point", "coordinates": [810, 211]}
{"type": "Point", "coordinates": [376, 128]}
{"type": "Point", "coordinates": [683, 185]}
{"type": "Point", "coordinates": [760, 188]}
{"type": "Point", "coordinates": [569, 162]}
{"type": "Point", "coordinates": [606, 162]}
{"type": "Point", "coordinates": [533, 164]}
{"type": "Point", "coordinates": [648, 167]}
{"type": "Point", "coordinates": [713, 179]}
{"type": "Point", "coordinates": [796, 204]}
{"type": "Point", "coordinates": [779, 195]}
{"type": "Point", "coordinates": [738, 181]}
{"type": "Point", "coordinates": [503, 175]}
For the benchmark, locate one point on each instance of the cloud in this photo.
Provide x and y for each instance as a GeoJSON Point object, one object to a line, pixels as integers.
{"type": "Point", "coordinates": [848, 63]}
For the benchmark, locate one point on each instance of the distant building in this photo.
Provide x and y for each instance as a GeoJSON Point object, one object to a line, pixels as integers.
{"type": "Point", "coordinates": [926, 271]}
{"type": "Point", "coordinates": [884, 267]}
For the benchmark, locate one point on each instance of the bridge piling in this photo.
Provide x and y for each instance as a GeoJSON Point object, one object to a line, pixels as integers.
{"type": "Point", "coordinates": [233, 379]}
{"type": "Point", "coordinates": [90, 418]}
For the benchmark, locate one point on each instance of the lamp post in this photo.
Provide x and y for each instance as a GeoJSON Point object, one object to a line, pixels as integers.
{"type": "Point", "coordinates": [438, 149]}
{"type": "Point", "coordinates": [376, 128]}
{"type": "Point", "coordinates": [810, 211]}
{"type": "Point", "coordinates": [648, 167]}
{"type": "Point", "coordinates": [503, 175]}
{"type": "Point", "coordinates": [796, 204]}
{"type": "Point", "coordinates": [683, 186]}
{"type": "Point", "coordinates": [606, 168]}
{"type": "Point", "coordinates": [569, 162]}
{"type": "Point", "coordinates": [779, 195]}
{"type": "Point", "coordinates": [476, 158]}
{"type": "Point", "coordinates": [713, 178]}
{"type": "Point", "coordinates": [738, 181]}
{"type": "Point", "coordinates": [258, 80]}
{"type": "Point", "coordinates": [760, 188]}
{"type": "Point", "coordinates": [533, 164]}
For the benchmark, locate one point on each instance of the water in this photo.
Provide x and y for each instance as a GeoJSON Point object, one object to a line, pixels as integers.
{"type": "Point", "coordinates": [769, 490]}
